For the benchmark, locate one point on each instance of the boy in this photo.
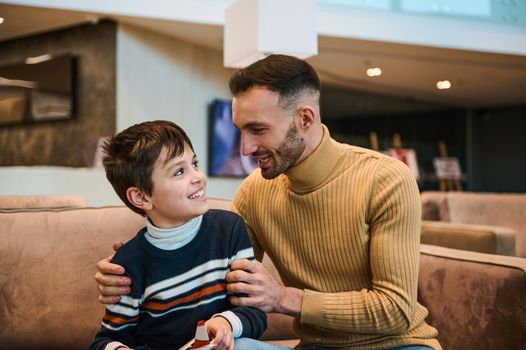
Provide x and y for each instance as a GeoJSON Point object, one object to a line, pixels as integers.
{"type": "Point", "coordinates": [178, 262]}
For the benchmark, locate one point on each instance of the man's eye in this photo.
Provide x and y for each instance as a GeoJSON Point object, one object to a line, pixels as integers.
{"type": "Point", "coordinates": [257, 130]}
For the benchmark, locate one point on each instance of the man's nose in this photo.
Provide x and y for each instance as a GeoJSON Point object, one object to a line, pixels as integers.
{"type": "Point", "coordinates": [248, 146]}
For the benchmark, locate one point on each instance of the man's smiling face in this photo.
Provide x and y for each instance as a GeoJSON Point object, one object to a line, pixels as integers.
{"type": "Point", "coordinates": [268, 132]}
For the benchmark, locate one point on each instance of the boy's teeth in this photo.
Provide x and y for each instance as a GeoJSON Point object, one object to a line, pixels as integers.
{"type": "Point", "coordinates": [196, 195]}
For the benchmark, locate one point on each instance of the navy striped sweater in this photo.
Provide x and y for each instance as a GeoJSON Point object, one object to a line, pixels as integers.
{"type": "Point", "coordinates": [173, 289]}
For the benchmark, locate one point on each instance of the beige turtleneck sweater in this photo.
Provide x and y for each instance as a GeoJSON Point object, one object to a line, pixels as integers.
{"type": "Point", "coordinates": [344, 226]}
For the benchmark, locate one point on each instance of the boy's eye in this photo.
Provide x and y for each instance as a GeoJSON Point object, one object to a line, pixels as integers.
{"type": "Point", "coordinates": [179, 172]}
{"type": "Point", "coordinates": [196, 164]}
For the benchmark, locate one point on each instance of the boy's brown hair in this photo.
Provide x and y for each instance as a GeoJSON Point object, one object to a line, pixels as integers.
{"type": "Point", "coordinates": [131, 155]}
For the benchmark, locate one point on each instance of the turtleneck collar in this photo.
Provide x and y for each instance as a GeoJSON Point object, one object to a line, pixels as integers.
{"type": "Point", "coordinates": [175, 237]}
{"type": "Point", "coordinates": [316, 168]}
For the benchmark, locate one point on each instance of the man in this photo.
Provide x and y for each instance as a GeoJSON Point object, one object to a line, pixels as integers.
{"type": "Point", "coordinates": [341, 223]}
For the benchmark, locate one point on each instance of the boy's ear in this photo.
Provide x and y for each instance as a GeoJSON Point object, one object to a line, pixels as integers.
{"type": "Point", "coordinates": [138, 198]}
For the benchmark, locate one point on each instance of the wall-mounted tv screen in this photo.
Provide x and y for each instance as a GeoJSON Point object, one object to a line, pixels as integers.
{"type": "Point", "coordinates": [225, 158]}
{"type": "Point", "coordinates": [40, 89]}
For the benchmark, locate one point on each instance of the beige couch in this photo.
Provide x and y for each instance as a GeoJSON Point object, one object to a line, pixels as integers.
{"type": "Point", "coordinates": [49, 300]}
{"type": "Point", "coordinates": [501, 210]}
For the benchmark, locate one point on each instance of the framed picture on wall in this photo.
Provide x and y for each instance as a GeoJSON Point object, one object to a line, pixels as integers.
{"type": "Point", "coordinates": [225, 158]}
{"type": "Point", "coordinates": [40, 89]}
{"type": "Point", "coordinates": [447, 168]}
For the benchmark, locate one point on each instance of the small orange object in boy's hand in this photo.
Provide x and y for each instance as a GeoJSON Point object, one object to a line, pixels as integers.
{"type": "Point", "coordinates": [201, 340]}
{"type": "Point", "coordinates": [201, 336]}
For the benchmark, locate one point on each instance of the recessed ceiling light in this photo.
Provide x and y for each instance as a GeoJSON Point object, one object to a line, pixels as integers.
{"type": "Point", "coordinates": [38, 59]}
{"type": "Point", "coordinates": [374, 72]}
{"type": "Point", "coordinates": [443, 84]}
{"type": "Point", "coordinates": [1, 20]}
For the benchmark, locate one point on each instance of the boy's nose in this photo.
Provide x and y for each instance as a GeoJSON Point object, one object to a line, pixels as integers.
{"type": "Point", "coordinates": [198, 176]}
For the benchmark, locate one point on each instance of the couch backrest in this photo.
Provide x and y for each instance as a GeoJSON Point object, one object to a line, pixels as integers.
{"type": "Point", "coordinates": [476, 301]}
{"type": "Point", "coordinates": [26, 202]}
{"type": "Point", "coordinates": [432, 201]}
{"type": "Point", "coordinates": [503, 209]}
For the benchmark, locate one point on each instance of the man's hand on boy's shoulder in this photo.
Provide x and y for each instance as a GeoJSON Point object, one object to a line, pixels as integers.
{"type": "Point", "coordinates": [220, 330]}
{"type": "Point", "coordinates": [112, 285]}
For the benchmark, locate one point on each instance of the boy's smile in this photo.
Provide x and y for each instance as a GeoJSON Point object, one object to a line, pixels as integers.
{"type": "Point", "coordinates": [198, 195]}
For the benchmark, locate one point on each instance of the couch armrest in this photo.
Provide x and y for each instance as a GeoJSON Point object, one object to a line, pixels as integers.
{"type": "Point", "coordinates": [479, 238]}
{"type": "Point", "coordinates": [475, 300]}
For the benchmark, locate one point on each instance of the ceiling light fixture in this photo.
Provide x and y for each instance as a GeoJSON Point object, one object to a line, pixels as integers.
{"type": "Point", "coordinates": [443, 84]}
{"type": "Point", "coordinates": [18, 83]}
{"type": "Point", "coordinates": [374, 72]}
{"type": "Point", "coordinates": [38, 59]}
{"type": "Point", "coordinates": [1, 20]}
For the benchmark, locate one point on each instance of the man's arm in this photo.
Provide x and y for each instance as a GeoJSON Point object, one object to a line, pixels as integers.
{"type": "Point", "coordinates": [112, 285]}
{"type": "Point", "coordinates": [251, 278]}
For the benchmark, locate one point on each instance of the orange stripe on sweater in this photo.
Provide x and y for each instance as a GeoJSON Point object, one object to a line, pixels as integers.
{"type": "Point", "coordinates": [154, 305]}
{"type": "Point", "coordinates": [119, 320]}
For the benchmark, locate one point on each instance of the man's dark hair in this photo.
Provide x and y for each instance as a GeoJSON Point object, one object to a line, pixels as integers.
{"type": "Point", "coordinates": [131, 154]}
{"type": "Point", "coordinates": [288, 76]}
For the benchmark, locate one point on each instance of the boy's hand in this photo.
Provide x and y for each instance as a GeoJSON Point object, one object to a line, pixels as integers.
{"type": "Point", "coordinates": [111, 285]}
{"type": "Point", "coordinates": [220, 330]}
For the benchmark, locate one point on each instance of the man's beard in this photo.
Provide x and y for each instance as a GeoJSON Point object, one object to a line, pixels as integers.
{"type": "Point", "coordinates": [287, 154]}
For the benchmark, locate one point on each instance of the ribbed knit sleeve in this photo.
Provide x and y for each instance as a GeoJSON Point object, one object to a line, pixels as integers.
{"type": "Point", "coordinates": [240, 206]}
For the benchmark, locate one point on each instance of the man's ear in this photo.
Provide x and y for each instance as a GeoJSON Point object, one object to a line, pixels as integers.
{"type": "Point", "coordinates": [138, 198]}
{"type": "Point", "coordinates": [307, 116]}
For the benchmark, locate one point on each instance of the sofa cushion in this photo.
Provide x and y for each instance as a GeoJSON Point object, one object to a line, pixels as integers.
{"type": "Point", "coordinates": [476, 301]}
{"type": "Point", "coordinates": [478, 238]}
